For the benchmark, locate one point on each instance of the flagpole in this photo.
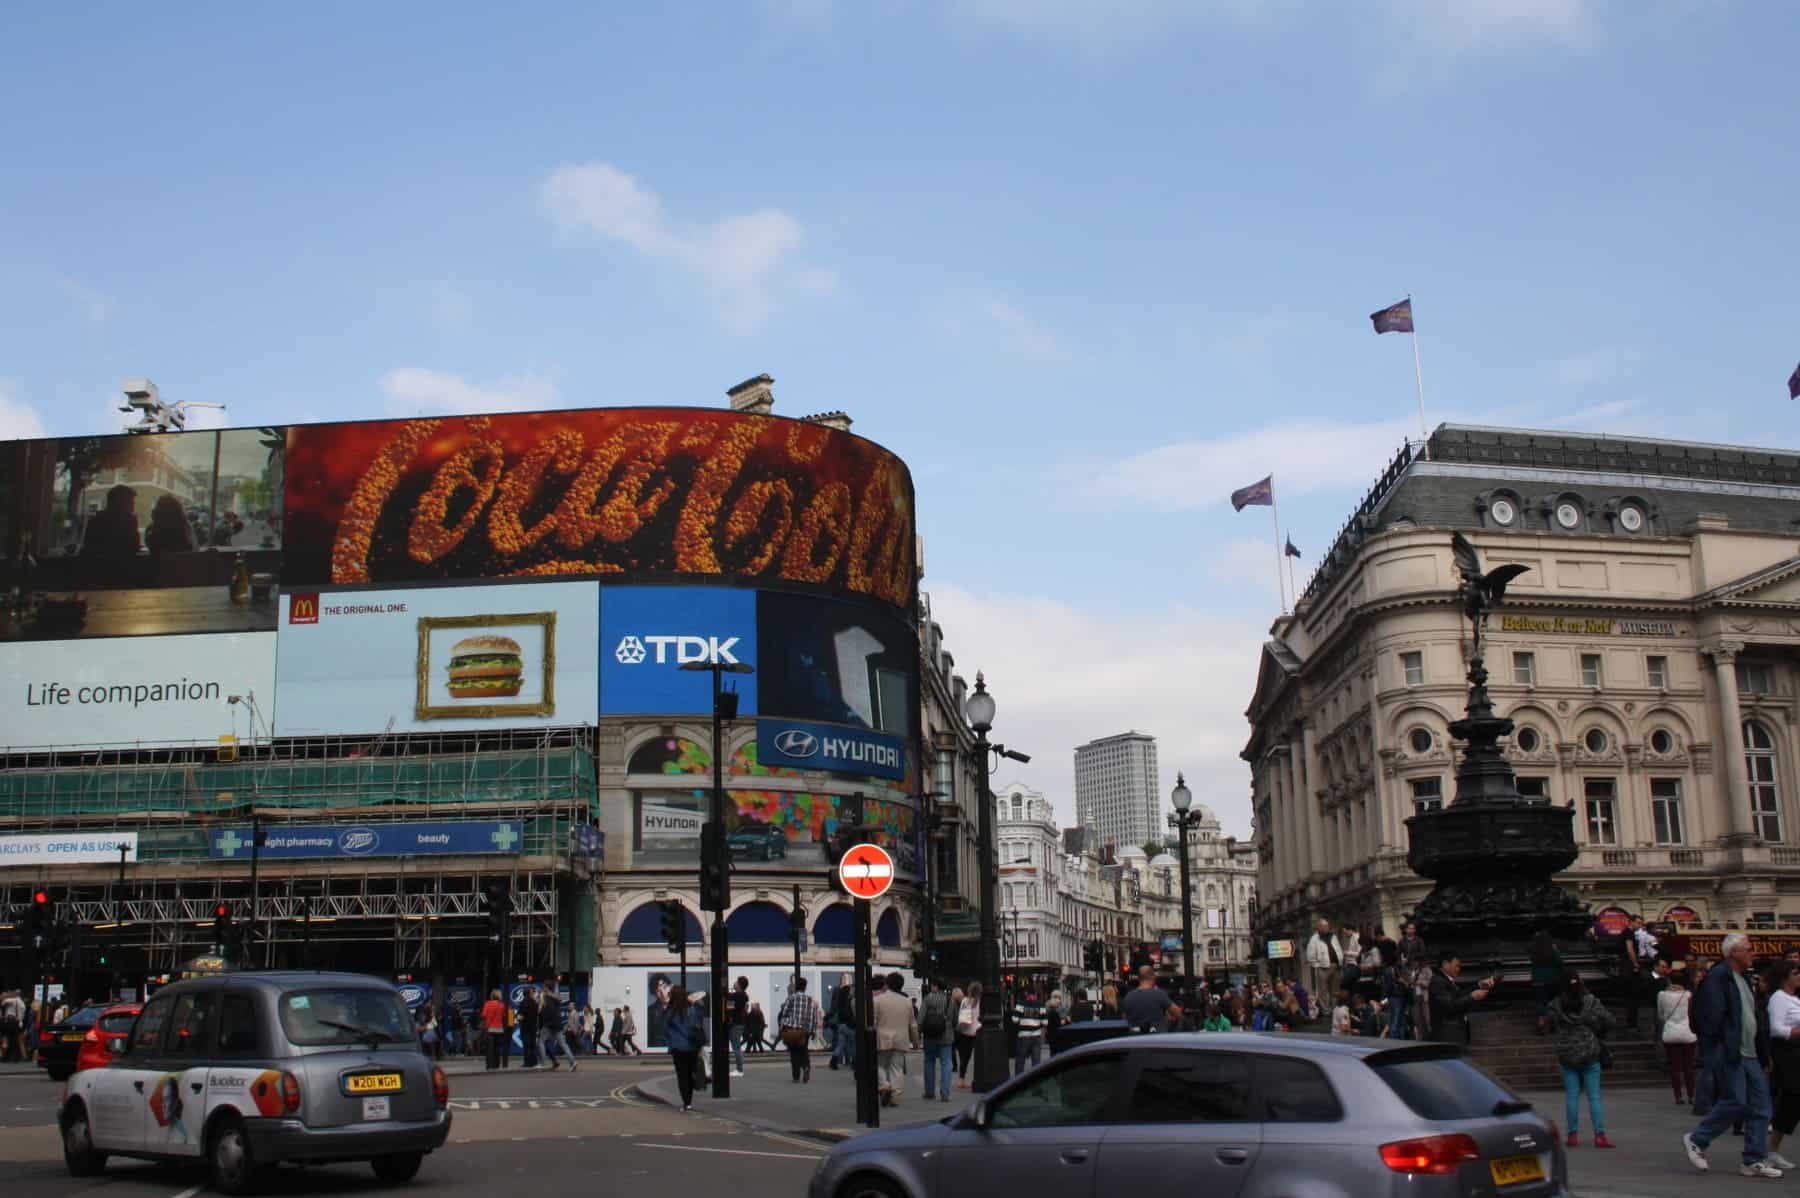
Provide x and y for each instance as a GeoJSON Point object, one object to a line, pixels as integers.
{"type": "Point", "coordinates": [1275, 515]}
{"type": "Point", "coordinates": [1419, 379]}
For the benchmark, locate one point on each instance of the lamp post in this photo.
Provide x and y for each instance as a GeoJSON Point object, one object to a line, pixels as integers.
{"type": "Point", "coordinates": [990, 1040]}
{"type": "Point", "coordinates": [715, 869]}
{"type": "Point", "coordinates": [1183, 798]}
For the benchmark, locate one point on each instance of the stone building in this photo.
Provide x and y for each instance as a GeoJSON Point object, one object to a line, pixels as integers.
{"type": "Point", "coordinates": [1648, 659]}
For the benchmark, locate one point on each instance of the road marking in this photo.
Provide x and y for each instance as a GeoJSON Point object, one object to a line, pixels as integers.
{"type": "Point", "coordinates": [787, 1156]}
{"type": "Point", "coordinates": [190, 1192]}
{"type": "Point", "coordinates": [769, 1135]}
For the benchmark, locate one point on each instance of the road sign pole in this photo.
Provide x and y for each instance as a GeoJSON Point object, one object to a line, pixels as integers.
{"type": "Point", "coordinates": [868, 1107]}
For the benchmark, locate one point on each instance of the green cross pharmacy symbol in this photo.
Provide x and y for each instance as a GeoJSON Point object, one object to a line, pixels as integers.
{"type": "Point", "coordinates": [230, 843]}
{"type": "Point", "coordinates": [504, 838]}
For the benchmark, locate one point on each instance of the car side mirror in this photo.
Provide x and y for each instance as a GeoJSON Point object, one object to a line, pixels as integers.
{"type": "Point", "coordinates": [979, 1115]}
{"type": "Point", "coordinates": [115, 1045]}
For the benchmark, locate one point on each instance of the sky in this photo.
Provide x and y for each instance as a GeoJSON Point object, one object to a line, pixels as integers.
{"type": "Point", "coordinates": [1087, 267]}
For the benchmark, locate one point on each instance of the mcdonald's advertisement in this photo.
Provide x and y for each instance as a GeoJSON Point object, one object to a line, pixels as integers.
{"type": "Point", "coordinates": [454, 659]}
{"type": "Point", "coordinates": [615, 493]}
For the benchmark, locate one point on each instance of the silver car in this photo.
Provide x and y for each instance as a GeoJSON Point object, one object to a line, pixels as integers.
{"type": "Point", "coordinates": [247, 1070]}
{"type": "Point", "coordinates": [1231, 1115]}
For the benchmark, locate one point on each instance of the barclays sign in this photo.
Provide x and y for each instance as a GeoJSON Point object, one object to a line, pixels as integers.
{"type": "Point", "coordinates": [830, 747]}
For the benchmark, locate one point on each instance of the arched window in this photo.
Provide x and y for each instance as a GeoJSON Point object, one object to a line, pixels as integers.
{"type": "Point", "coordinates": [1765, 791]}
{"type": "Point", "coordinates": [644, 926]}
{"type": "Point", "coordinates": [887, 929]}
{"type": "Point", "coordinates": [1215, 950]}
{"type": "Point", "coordinates": [759, 923]}
{"type": "Point", "coordinates": [1212, 895]}
{"type": "Point", "coordinates": [836, 926]}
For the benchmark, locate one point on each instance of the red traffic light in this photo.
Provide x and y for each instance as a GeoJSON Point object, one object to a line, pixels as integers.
{"type": "Point", "coordinates": [221, 911]}
{"type": "Point", "coordinates": [41, 898]}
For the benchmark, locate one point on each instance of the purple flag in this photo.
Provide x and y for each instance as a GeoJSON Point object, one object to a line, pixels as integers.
{"type": "Point", "coordinates": [1395, 319]}
{"type": "Point", "coordinates": [1258, 494]}
{"type": "Point", "coordinates": [1290, 550]}
{"type": "Point", "coordinates": [1794, 384]}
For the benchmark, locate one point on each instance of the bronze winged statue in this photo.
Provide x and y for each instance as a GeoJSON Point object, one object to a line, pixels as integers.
{"type": "Point", "coordinates": [1481, 593]}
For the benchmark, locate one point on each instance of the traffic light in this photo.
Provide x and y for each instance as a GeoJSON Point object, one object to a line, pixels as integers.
{"type": "Point", "coordinates": [499, 910]}
{"type": "Point", "coordinates": [40, 924]}
{"type": "Point", "coordinates": [1093, 956]}
{"type": "Point", "coordinates": [715, 869]}
{"type": "Point", "coordinates": [223, 931]}
{"type": "Point", "coordinates": [674, 925]}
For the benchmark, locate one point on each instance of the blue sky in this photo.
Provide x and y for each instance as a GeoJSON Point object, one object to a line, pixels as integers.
{"type": "Point", "coordinates": [1086, 266]}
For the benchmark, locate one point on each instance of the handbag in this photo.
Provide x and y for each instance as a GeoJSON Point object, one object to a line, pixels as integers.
{"type": "Point", "coordinates": [794, 1037]}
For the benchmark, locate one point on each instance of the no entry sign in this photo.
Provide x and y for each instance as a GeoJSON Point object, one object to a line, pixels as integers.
{"type": "Point", "coordinates": [866, 871]}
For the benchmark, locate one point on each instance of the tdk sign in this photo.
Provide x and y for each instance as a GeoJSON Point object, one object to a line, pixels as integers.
{"type": "Point", "coordinates": [648, 633]}
{"type": "Point", "coordinates": [833, 747]}
{"type": "Point", "coordinates": [715, 650]}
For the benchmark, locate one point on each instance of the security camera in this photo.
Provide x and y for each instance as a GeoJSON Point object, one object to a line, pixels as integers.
{"type": "Point", "coordinates": [141, 394]}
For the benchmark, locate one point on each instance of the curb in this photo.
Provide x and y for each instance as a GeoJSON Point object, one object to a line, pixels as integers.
{"type": "Point", "coordinates": [825, 1135]}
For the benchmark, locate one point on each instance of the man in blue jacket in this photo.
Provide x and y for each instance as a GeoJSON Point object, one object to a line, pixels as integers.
{"type": "Point", "coordinates": [1733, 1052]}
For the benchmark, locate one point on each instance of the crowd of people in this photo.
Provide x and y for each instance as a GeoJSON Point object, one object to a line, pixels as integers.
{"type": "Point", "coordinates": [19, 1016]}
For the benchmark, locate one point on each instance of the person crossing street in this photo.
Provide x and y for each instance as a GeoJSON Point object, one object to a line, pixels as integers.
{"type": "Point", "coordinates": [1734, 1051]}
{"type": "Point", "coordinates": [896, 1032]}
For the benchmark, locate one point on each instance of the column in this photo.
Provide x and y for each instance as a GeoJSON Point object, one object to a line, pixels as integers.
{"type": "Point", "coordinates": [1304, 821]}
{"type": "Point", "coordinates": [1277, 837]}
{"type": "Point", "coordinates": [1731, 743]}
{"type": "Point", "coordinates": [1310, 806]}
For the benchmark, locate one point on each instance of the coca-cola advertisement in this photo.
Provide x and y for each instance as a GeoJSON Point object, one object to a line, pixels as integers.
{"type": "Point", "coordinates": [612, 492]}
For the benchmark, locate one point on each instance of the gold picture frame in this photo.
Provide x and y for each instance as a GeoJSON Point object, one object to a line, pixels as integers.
{"type": "Point", "coordinates": [425, 709]}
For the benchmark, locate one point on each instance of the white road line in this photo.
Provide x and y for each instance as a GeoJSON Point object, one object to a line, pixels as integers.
{"type": "Point", "coordinates": [190, 1191]}
{"type": "Point", "coordinates": [787, 1156]}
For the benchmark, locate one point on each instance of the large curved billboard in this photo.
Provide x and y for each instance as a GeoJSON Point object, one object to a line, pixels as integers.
{"type": "Point", "coordinates": [674, 492]}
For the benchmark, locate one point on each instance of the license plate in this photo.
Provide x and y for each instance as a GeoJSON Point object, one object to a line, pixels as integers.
{"type": "Point", "coordinates": [374, 1108]}
{"type": "Point", "coordinates": [1512, 1170]}
{"type": "Point", "coordinates": [72, 1037]}
{"type": "Point", "coordinates": [373, 1083]}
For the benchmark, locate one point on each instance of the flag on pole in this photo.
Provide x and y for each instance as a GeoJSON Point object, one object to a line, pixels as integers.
{"type": "Point", "coordinates": [1257, 494]}
{"type": "Point", "coordinates": [1290, 550]}
{"type": "Point", "coordinates": [1794, 384]}
{"type": "Point", "coordinates": [1396, 318]}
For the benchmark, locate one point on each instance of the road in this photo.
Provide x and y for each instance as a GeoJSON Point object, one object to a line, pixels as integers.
{"type": "Point", "coordinates": [511, 1129]}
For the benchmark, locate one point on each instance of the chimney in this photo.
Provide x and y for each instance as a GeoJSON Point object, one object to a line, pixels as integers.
{"type": "Point", "coordinates": [838, 420]}
{"type": "Point", "coordinates": [756, 396]}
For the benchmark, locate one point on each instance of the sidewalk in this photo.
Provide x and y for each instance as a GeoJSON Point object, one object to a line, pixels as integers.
{"type": "Point", "coordinates": [1645, 1123]}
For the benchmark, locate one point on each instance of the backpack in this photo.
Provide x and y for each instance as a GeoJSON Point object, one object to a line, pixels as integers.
{"type": "Point", "coordinates": [933, 1022]}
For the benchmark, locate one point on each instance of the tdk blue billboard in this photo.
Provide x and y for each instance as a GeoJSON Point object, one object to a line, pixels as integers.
{"type": "Point", "coordinates": [648, 633]}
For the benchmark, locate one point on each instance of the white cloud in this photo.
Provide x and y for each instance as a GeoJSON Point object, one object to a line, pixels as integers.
{"type": "Point", "coordinates": [1061, 676]}
{"type": "Point", "coordinates": [18, 419]}
{"type": "Point", "coordinates": [746, 262]}
{"type": "Point", "coordinates": [451, 307]}
{"type": "Point", "coordinates": [1489, 25]}
{"type": "Point", "coordinates": [1305, 455]}
{"type": "Point", "coordinates": [96, 306]}
{"type": "Point", "coordinates": [992, 321]}
{"type": "Point", "coordinates": [414, 389]}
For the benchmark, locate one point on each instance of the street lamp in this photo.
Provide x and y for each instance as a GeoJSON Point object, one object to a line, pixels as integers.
{"type": "Point", "coordinates": [990, 1040]}
{"type": "Point", "coordinates": [715, 868]}
{"type": "Point", "coordinates": [1183, 799]}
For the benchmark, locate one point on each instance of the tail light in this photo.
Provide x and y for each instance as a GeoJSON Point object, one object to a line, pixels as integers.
{"type": "Point", "coordinates": [1432, 1154]}
{"type": "Point", "coordinates": [440, 1087]}
{"type": "Point", "coordinates": [93, 1037]}
{"type": "Point", "coordinates": [290, 1093]}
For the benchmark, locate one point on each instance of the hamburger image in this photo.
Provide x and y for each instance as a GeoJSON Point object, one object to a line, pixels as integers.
{"type": "Point", "coordinates": [486, 667]}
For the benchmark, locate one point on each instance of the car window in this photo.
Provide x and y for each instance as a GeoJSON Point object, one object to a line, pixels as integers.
{"type": "Point", "coordinates": [345, 1015]}
{"type": "Point", "coordinates": [1295, 1091]}
{"type": "Point", "coordinates": [118, 1021]}
{"type": "Point", "coordinates": [1443, 1087]}
{"type": "Point", "coordinates": [237, 1024]}
{"type": "Point", "coordinates": [1190, 1087]}
{"type": "Point", "coordinates": [189, 1024]}
{"type": "Point", "coordinates": [147, 1032]}
{"type": "Point", "coordinates": [86, 1017]}
{"type": "Point", "coordinates": [1078, 1092]}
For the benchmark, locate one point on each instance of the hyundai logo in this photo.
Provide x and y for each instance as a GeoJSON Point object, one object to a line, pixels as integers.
{"type": "Point", "coordinates": [358, 841]}
{"type": "Point", "coordinates": [796, 743]}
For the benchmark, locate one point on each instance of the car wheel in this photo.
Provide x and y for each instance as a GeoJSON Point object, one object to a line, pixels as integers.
{"type": "Point", "coordinates": [233, 1165]}
{"type": "Point", "coordinates": [869, 1185]}
{"type": "Point", "coordinates": [399, 1167]}
{"type": "Point", "coordinates": [79, 1153]}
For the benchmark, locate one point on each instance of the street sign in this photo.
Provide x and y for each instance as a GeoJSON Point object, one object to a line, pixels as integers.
{"type": "Point", "coordinates": [866, 871]}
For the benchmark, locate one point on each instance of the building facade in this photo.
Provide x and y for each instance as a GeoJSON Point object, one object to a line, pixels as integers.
{"type": "Point", "coordinates": [1648, 658]}
{"type": "Point", "coordinates": [1117, 790]}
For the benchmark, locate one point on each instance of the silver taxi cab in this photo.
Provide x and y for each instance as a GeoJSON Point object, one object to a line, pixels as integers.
{"type": "Point", "coordinates": [244, 1071]}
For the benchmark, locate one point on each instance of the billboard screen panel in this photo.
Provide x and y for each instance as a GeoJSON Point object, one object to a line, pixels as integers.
{"type": "Point", "coordinates": [677, 492]}
{"type": "Point", "coordinates": [648, 633]}
{"type": "Point", "coordinates": [140, 535]}
{"type": "Point", "coordinates": [429, 838]}
{"type": "Point", "coordinates": [164, 689]}
{"type": "Point", "coordinates": [438, 659]}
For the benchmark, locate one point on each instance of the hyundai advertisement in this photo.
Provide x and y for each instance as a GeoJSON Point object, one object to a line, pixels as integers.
{"type": "Point", "coordinates": [648, 634]}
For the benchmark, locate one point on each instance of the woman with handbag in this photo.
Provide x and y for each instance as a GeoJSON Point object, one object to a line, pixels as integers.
{"type": "Point", "coordinates": [1784, 1046]}
{"type": "Point", "coordinates": [798, 1019]}
{"type": "Point", "coordinates": [968, 1022]}
{"type": "Point", "coordinates": [1579, 1023]}
{"type": "Point", "coordinates": [1678, 1039]}
{"type": "Point", "coordinates": [686, 1033]}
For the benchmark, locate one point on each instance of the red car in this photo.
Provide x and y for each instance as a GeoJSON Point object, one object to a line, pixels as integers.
{"type": "Point", "coordinates": [106, 1039]}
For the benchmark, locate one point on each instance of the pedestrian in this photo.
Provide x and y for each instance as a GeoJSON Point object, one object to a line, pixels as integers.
{"type": "Point", "coordinates": [528, 1026]}
{"type": "Point", "coordinates": [12, 1026]}
{"type": "Point", "coordinates": [427, 1025]}
{"type": "Point", "coordinates": [1449, 1005]}
{"type": "Point", "coordinates": [937, 1029]}
{"type": "Point", "coordinates": [1109, 1002]}
{"type": "Point", "coordinates": [1672, 1011]}
{"type": "Point", "coordinates": [1147, 1007]}
{"type": "Point", "coordinates": [493, 1027]}
{"type": "Point", "coordinates": [1216, 1020]}
{"type": "Point", "coordinates": [553, 1016]}
{"type": "Point", "coordinates": [1411, 947]}
{"type": "Point", "coordinates": [896, 1033]}
{"type": "Point", "coordinates": [1546, 975]}
{"type": "Point", "coordinates": [737, 1011]}
{"type": "Point", "coordinates": [1734, 1053]}
{"type": "Point", "coordinates": [1080, 1009]}
{"type": "Point", "coordinates": [842, 1024]}
{"type": "Point", "coordinates": [1784, 1049]}
{"type": "Point", "coordinates": [1645, 949]}
{"type": "Point", "coordinates": [756, 1026]}
{"type": "Point", "coordinates": [685, 1033]}
{"type": "Point", "coordinates": [1324, 960]}
{"type": "Point", "coordinates": [968, 1022]}
{"type": "Point", "coordinates": [1579, 1024]}
{"type": "Point", "coordinates": [1029, 1018]}
{"type": "Point", "coordinates": [628, 1034]}
{"type": "Point", "coordinates": [798, 1018]}
{"type": "Point", "coordinates": [1350, 950]}
{"type": "Point", "coordinates": [1340, 1015]}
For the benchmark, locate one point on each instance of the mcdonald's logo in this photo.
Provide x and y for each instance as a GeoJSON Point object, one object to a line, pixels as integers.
{"type": "Point", "coordinates": [303, 609]}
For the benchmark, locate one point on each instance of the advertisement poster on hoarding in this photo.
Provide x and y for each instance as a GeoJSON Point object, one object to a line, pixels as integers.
{"type": "Point", "coordinates": [68, 848]}
{"type": "Point", "coordinates": [648, 633]}
{"type": "Point", "coordinates": [678, 492]}
{"type": "Point", "coordinates": [140, 536]}
{"type": "Point", "coordinates": [438, 659]}
{"type": "Point", "coordinates": [658, 986]}
{"type": "Point", "coordinates": [415, 838]}
{"type": "Point", "coordinates": [158, 689]}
